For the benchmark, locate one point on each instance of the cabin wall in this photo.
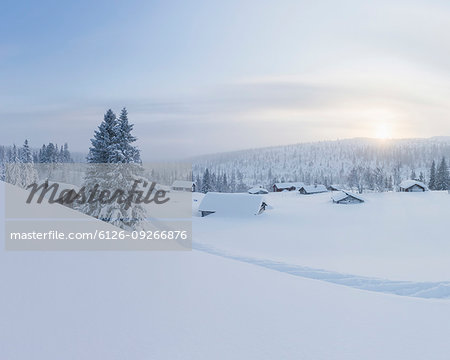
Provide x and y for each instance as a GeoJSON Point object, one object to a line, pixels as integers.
{"type": "Point", "coordinates": [414, 188]}
{"type": "Point", "coordinates": [206, 213]}
{"type": "Point", "coordinates": [275, 189]}
{"type": "Point", "coordinates": [349, 200]}
{"type": "Point", "coordinates": [183, 189]}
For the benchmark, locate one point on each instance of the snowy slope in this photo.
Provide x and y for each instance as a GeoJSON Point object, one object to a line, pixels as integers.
{"type": "Point", "coordinates": [193, 305]}
{"type": "Point", "coordinates": [396, 236]}
{"type": "Point", "coordinates": [197, 306]}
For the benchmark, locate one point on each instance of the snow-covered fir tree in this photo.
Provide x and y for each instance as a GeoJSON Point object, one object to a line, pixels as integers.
{"type": "Point", "coordinates": [422, 177]}
{"type": "Point", "coordinates": [198, 182]}
{"type": "Point", "coordinates": [52, 154]}
{"type": "Point", "coordinates": [206, 182]}
{"type": "Point", "coordinates": [19, 169]}
{"type": "Point", "coordinates": [101, 151]}
{"type": "Point", "coordinates": [28, 173]}
{"type": "Point", "coordinates": [114, 165]}
{"type": "Point", "coordinates": [13, 168]}
{"type": "Point", "coordinates": [122, 149]}
{"type": "Point", "coordinates": [25, 153]}
{"type": "Point", "coordinates": [442, 176]}
{"type": "Point", "coordinates": [432, 182]}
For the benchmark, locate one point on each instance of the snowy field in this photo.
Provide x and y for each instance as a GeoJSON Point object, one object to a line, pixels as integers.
{"type": "Point", "coordinates": [398, 236]}
{"type": "Point", "coordinates": [196, 305]}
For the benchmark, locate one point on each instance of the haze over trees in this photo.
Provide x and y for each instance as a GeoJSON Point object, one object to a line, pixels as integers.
{"type": "Point", "coordinates": [358, 164]}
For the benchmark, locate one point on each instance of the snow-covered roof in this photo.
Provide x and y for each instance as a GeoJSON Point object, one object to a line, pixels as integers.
{"type": "Point", "coordinates": [338, 196]}
{"type": "Point", "coordinates": [183, 184]}
{"type": "Point", "coordinates": [341, 195]}
{"type": "Point", "coordinates": [257, 190]}
{"type": "Point", "coordinates": [225, 204]}
{"type": "Point", "coordinates": [312, 189]}
{"type": "Point", "coordinates": [287, 185]}
{"type": "Point", "coordinates": [334, 186]}
{"type": "Point", "coordinates": [406, 184]}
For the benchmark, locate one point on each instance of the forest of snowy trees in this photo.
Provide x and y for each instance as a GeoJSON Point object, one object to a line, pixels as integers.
{"type": "Point", "coordinates": [357, 164]}
{"type": "Point", "coordinates": [50, 153]}
{"type": "Point", "coordinates": [113, 162]}
{"type": "Point", "coordinates": [19, 161]}
{"type": "Point", "coordinates": [439, 177]}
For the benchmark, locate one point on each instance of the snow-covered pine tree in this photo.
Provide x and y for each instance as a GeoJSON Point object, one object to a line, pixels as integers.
{"type": "Point", "coordinates": [389, 184]}
{"type": "Point", "coordinates": [432, 183]}
{"type": "Point", "coordinates": [198, 182]}
{"type": "Point", "coordinates": [442, 176]}
{"type": "Point", "coordinates": [379, 179]}
{"type": "Point", "coordinates": [2, 171]}
{"type": "Point", "coordinates": [225, 183]}
{"type": "Point", "coordinates": [2, 162]}
{"type": "Point", "coordinates": [114, 164]}
{"type": "Point", "coordinates": [422, 177]}
{"type": "Point", "coordinates": [241, 186]}
{"type": "Point", "coordinates": [28, 173]}
{"type": "Point", "coordinates": [101, 150]}
{"type": "Point", "coordinates": [42, 155]}
{"type": "Point", "coordinates": [66, 154]}
{"type": "Point", "coordinates": [52, 153]}
{"type": "Point", "coordinates": [397, 174]}
{"type": "Point", "coordinates": [122, 150]}
{"type": "Point", "coordinates": [25, 154]}
{"type": "Point", "coordinates": [13, 167]}
{"type": "Point", "coordinates": [61, 155]}
{"type": "Point", "coordinates": [232, 184]}
{"type": "Point", "coordinates": [213, 178]}
{"type": "Point", "coordinates": [206, 182]}
{"type": "Point", "coordinates": [353, 178]}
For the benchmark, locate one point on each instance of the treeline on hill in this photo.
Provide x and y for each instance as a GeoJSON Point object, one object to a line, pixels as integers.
{"type": "Point", "coordinates": [20, 161]}
{"type": "Point", "coordinates": [359, 179]}
{"type": "Point", "coordinates": [50, 153]}
{"type": "Point", "coordinates": [355, 164]}
{"type": "Point", "coordinates": [221, 182]}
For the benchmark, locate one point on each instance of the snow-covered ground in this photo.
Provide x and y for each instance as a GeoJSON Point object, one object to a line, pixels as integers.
{"type": "Point", "coordinates": [196, 305]}
{"type": "Point", "coordinates": [397, 236]}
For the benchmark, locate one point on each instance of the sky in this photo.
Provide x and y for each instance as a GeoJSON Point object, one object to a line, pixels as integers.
{"type": "Point", "coordinates": [202, 77]}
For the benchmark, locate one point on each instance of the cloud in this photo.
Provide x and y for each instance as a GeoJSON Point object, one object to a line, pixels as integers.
{"type": "Point", "coordinates": [245, 74]}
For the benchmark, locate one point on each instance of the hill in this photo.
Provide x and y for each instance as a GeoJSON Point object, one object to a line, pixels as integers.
{"type": "Point", "coordinates": [369, 163]}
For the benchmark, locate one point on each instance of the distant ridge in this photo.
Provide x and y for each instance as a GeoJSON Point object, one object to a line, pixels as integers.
{"type": "Point", "coordinates": [345, 140]}
{"type": "Point", "coordinates": [368, 160]}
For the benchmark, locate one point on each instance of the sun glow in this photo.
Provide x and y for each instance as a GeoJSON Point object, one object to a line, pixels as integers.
{"type": "Point", "coordinates": [383, 132]}
{"type": "Point", "coordinates": [381, 122]}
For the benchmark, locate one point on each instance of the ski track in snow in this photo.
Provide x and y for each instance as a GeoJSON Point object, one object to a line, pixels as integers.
{"type": "Point", "coordinates": [428, 290]}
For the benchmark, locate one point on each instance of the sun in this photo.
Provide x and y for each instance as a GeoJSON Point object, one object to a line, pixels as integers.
{"type": "Point", "coordinates": [382, 132]}
{"type": "Point", "coordinates": [380, 122]}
